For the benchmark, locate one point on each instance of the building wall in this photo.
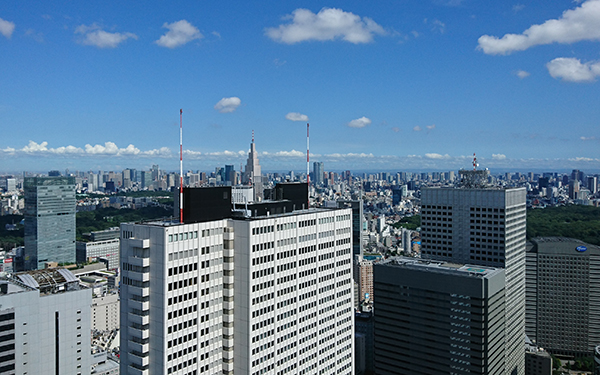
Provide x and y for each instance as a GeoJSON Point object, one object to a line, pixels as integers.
{"type": "Point", "coordinates": [49, 221]}
{"type": "Point", "coordinates": [439, 320]}
{"type": "Point", "coordinates": [486, 227]}
{"type": "Point", "coordinates": [105, 312]}
{"type": "Point", "coordinates": [38, 321]}
{"type": "Point", "coordinates": [107, 249]}
{"type": "Point", "coordinates": [565, 295]}
{"type": "Point", "coordinates": [179, 329]}
{"type": "Point", "coordinates": [293, 293]}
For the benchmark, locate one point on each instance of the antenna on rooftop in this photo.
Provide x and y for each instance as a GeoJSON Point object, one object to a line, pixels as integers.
{"type": "Point", "coordinates": [181, 165]}
{"type": "Point", "coordinates": [475, 165]}
{"type": "Point", "coordinates": [307, 165]}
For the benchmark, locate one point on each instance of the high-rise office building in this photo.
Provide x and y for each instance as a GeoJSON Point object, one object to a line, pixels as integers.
{"type": "Point", "coordinates": [172, 297]}
{"type": "Point", "coordinates": [45, 324]}
{"type": "Point", "coordinates": [49, 221]}
{"type": "Point", "coordinates": [252, 174]}
{"type": "Point", "coordinates": [439, 318]}
{"type": "Point", "coordinates": [266, 289]}
{"type": "Point", "coordinates": [318, 171]}
{"type": "Point", "coordinates": [478, 224]}
{"type": "Point", "coordinates": [293, 293]}
{"type": "Point", "coordinates": [563, 295]}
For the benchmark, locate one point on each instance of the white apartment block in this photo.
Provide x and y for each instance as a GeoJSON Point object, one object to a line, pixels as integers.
{"type": "Point", "coordinates": [293, 293]}
{"type": "Point", "coordinates": [251, 295]}
{"type": "Point", "coordinates": [172, 298]}
{"type": "Point", "coordinates": [105, 312]}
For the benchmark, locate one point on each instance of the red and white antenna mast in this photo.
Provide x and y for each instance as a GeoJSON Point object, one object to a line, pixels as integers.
{"type": "Point", "coordinates": [308, 164]}
{"type": "Point", "coordinates": [475, 162]}
{"type": "Point", "coordinates": [181, 165]}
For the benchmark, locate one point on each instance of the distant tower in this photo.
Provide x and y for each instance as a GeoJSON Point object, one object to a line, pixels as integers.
{"type": "Point", "coordinates": [49, 221]}
{"type": "Point", "coordinates": [252, 174]}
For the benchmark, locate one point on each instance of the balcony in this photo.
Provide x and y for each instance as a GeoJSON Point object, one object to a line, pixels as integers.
{"type": "Point", "coordinates": [138, 291]}
{"type": "Point", "coordinates": [136, 370]}
{"type": "Point", "coordinates": [140, 360]}
{"type": "Point", "coordinates": [138, 261]}
{"type": "Point", "coordinates": [139, 243]}
{"type": "Point", "coordinates": [138, 347]}
{"type": "Point", "coordinates": [139, 319]}
{"type": "Point", "coordinates": [139, 276]}
{"type": "Point", "coordinates": [139, 333]}
{"type": "Point", "coordinates": [138, 305]}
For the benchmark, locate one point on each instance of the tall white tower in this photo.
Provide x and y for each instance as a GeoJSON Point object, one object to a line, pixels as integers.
{"type": "Point", "coordinates": [252, 174]}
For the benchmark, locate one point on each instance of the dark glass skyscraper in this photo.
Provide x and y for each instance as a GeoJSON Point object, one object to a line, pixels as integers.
{"type": "Point", "coordinates": [49, 221]}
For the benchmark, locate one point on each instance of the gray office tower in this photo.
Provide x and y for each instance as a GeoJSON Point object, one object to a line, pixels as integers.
{"type": "Point", "coordinates": [49, 221]}
{"type": "Point", "coordinates": [563, 295]}
{"type": "Point", "coordinates": [318, 171]}
{"type": "Point", "coordinates": [478, 224]}
{"type": "Point", "coordinates": [438, 318]}
{"type": "Point", "coordinates": [45, 324]}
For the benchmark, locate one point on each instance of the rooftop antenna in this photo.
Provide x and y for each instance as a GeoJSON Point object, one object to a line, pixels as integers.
{"type": "Point", "coordinates": [475, 165]}
{"type": "Point", "coordinates": [307, 165]}
{"type": "Point", "coordinates": [181, 166]}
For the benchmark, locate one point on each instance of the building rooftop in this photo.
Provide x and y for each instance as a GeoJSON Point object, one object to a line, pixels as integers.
{"type": "Point", "coordinates": [444, 267]}
{"type": "Point", "coordinates": [47, 281]}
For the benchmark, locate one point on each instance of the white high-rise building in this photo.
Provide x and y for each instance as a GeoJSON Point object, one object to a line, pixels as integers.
{"type": "Point", "coordinates": [172, 298]}
{"type": "Point", "coordinates": [293, 293]}
{"type": "Point", "coordinates": [476, 224]}
{"type": "Point", "coordinates": [275, 299]}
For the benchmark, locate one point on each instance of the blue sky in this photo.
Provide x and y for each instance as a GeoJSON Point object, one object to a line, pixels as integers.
{"type": "Point", "coordinates": [385, 85]}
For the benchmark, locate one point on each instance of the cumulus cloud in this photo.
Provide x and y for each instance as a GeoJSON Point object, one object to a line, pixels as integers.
{"type": "Point", "coordinates": [228, 105]}
{"type": "Point", "coordinates": [498, 156]}
{"type": "Point", "coordinates": [180, 33]}
{"type": "Point", "coordinates": [437, 156]}
{"type": "Point", "coordinates": [328, 24]}
{"type": "Point", "coordinates": [572, 70]}
{"type": "Point", "coordinates": [417, 128]}
{"type": "Point", "coordinates": [359, 122]}
{"type": "Point", "coordinates": [581, 23]}
{"type": "Point", "coordinates": [93, 35]}
{"type": "Point", "coordinates": [430, 127]}
{"type": "Point", "coordinates": [6, 28]}
{"type": "Point", "coordinates": [295, 116]}
{"type": "Point", "coordinates": [522, 74]}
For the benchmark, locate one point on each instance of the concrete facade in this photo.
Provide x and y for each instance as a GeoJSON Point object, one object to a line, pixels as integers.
{"type": "Point", "coordinates": [439, 318]}
{"type": "Point", "coordinates": [563, 295]}
{"type": "Point", "coordinates": [485, 226]}
{"type": "Point", "coordinates": [44, 330]}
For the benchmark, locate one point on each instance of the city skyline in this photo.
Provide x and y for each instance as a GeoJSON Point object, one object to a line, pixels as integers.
{"type": "Point", "coordinates": [397, 86]}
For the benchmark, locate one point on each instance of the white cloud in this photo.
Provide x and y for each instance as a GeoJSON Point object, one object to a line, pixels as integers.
{"type": "Point", "coordinates": [437, 156]}
{"type": "Point", "coordinates": [430, 127]}
{"type": "Point", "coordinates": [395, 129]}
{"type": "Point", "coordinates": [6, 28]}
{"type": "Point", "coordinates": [93, 35]}
{"type": "Point", "coordinates": [38, 37]}
{"type": "Point", "coordinates": [581, 23]}
{"type": "Point", "coordinates": [572, 70]}
{"type": "Point", "coordinates": [228, 105]}
{"type": "Point", "coordinates": [437, 25]}
{"type": "Point", "coordinates": [522, 74]}
{"type": "Point", "coordinates": [498, 156]}
{"type": "Point", "coordinates": [518, 7]}
{"type": "Point", "coordinates": [359, 122]}
{"type": "Point", "coordinates": [180, 33]}
{"type": "Point", "coordinates": [328, 24]}
{"type": "Point", "coordinates": [592, 138]}
{"type": "Point", "coordinates": [417, 128]}
{"type": "Point", "coordinates": [295, 116]}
